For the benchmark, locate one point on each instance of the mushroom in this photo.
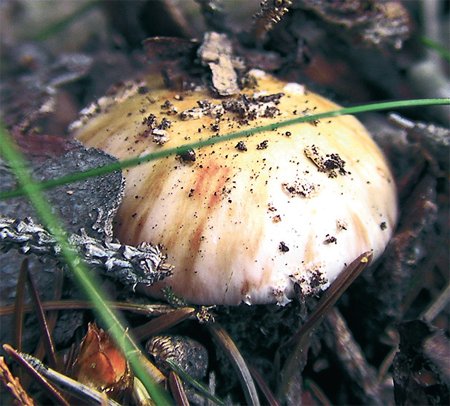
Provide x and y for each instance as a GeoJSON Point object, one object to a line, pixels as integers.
{"type": "Point", "coordinates": [245, 220]}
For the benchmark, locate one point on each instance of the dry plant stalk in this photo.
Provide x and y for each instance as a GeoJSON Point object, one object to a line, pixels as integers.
{"type": "Point", "coordinates": [13, 385]}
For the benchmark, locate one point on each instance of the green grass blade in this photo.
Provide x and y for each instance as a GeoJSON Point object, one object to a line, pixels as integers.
{"type": "Point", "coordinates": [443, 52]}
{"type": "Point", "coordinates": [86, 280]}
{"type": "Point", "coordinates": [215, 140]}
{"type": "Point", "coordinates": [62, 24]}
{"type": "Point", "coordinates": [196, 384]}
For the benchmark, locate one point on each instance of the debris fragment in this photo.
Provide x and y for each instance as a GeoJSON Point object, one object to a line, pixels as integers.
{"type": "Point", "coordinates": [216, 52]}
{"type": "Point", "coordinates": [129, 265]}
{"type": "Point", "coordinates": [329, 163]}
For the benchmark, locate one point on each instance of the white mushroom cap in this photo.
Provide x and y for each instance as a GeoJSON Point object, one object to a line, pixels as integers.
{"type": "Point", "coordinates": [245, 222]}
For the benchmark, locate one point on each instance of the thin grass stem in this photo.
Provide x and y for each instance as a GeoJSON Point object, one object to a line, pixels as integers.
{"type": "Point", "coordinates": [443, 52]}
{"type": "Point", "coordinates": [87, 281]}
{"type": "Point", "coordinates": [127, 163]}
{"type": "Point", "coordinates": [54, 28]}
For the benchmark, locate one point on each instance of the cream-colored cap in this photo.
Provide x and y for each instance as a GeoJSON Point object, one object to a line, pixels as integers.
{"type": "Point", "coordinates": [245, 220]}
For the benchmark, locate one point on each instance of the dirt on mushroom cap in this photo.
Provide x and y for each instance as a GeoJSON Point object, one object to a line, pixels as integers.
{"type": "Point", "coordinates": [224, 211]}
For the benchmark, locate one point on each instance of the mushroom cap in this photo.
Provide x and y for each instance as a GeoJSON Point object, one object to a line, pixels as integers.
{"type": "Point", "coordinates": [245, 220]}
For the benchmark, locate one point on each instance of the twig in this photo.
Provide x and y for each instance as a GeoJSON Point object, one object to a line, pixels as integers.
{"type": "Point", "coordinates": [38, 378]}
{"type": "Point", "coordinates": [194, 383]}
{"type": "Point", "coordinates": [226, 343]}
{"type": "Point", "coordinates": [44, 329]}
{"type": "Point", "coordinates": [270, 397]}
{"type": "Point", "coordinates": [437, 305]}
{"type": "Point", "coordinates": [129, 265]}
{"type": "Point", "coordinates": [352, 358]}
{"type": "Point", "coordinates": [19, 305]}
{"type": "Point", "coordinates": [149, 310]}
{"type": "Point", "coordinates": [291, 369]}
{"type": "Point", "coordinates": [68, 384]}
{"type": "Point", "coordinates": [317, 392]}
{"type": "Point", "coordinates": [13, 385]}
{"type": "Point", "coordinates": [177, 389]}
{"type": "Point", "coordinates": [161, 323]}
{"type": "Point", "coordinates": [52, 317]}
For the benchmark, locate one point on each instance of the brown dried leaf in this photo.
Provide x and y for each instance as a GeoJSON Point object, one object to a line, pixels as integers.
{"type": "Point", "coordinates": [101, 365]}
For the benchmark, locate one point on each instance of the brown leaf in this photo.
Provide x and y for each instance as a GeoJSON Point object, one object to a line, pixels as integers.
{"type": "Point", "coordinates": [101, 365]}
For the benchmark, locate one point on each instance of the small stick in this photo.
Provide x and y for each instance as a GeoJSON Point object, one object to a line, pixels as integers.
{"type": "Point", "coordinates": [352, 358]}
{"type": "Point", "coordinates": [151, 310]}
{"type": "Point", "coordinates": [177, 389]}
{"type": "Point", "coordinates": [68, 384]}
{"type": "Point", "coordinates": [161, 323]}
{"type": "Point", "coordinates": [227, 344]}
{"type": "Point", "coordinates": [270, 397]}
{"type": "Point", "coordinates": [36, 375]}
{"type": "Point", "coordinates": [19, 304]}
{"type": "Point", "coordinates": [44, 329]}
{"type": "Point", "coordinates": [14, 386]}
{"type": "Point", "coordinates": [437, 305]}
{"type": "Point", "coordinates": [300, 338]}
{"type": "Point", "coordinates": [51, 317]}
{"type": "Point", "coordinates": [202, 389]}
